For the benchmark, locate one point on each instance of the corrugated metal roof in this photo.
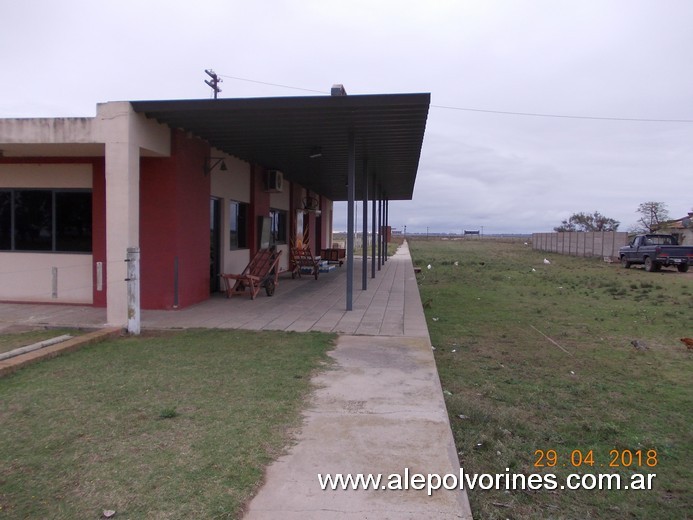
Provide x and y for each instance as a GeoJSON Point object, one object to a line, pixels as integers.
{"type": "Point", "coordinates": [281, 133]}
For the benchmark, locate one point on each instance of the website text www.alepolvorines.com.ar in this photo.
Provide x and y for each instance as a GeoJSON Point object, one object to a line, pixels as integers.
{"type": "Point", "coordinates": [432, 482]}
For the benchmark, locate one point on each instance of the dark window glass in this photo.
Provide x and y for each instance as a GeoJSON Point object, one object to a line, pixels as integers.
{"type": "Point", "coordinates": [33, 220]}
{"type": "Point", "coordinates": [238, 225]}
{"type": "Point", "coordinates": [73, 221]}
{"type": "Point", "coordinates": [45, 220]}
{"type": "Point", "coordinates": [5, 220]}
{"type": "Point", "coordinates": [278, 220]}
{"type": "Point", "coordinates": [243, 225]}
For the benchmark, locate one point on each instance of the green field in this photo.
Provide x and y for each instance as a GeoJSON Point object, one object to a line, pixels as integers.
{"type": "Point", "coordinates": [177, 425]}
{"type": "Point", "coordinates": [536, 359]}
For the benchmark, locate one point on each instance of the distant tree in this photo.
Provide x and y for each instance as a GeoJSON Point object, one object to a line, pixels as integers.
{"type": "Point", "coordinates": [588, 222]}
{"type": "Point", "coordinates": [652, 214]}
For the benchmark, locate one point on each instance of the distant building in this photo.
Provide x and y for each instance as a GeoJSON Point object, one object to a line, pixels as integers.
{"type": "Point", "coordinates": [682, 229]}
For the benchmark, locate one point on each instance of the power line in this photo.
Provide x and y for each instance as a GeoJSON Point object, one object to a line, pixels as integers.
{"type": "Point", "coordinates": [273, 84]}
{"type": "Point", "coordinates": [565, 116]}
{"type": "Point", "coordinates": [499, 112]}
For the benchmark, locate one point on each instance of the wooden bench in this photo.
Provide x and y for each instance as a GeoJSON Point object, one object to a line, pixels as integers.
{"type": "Point", "coordinates": [262, 271]}
{"type": "Point", "coordinates": [334, 255]}
{"type": "Point", "coordinates": [302, 257]}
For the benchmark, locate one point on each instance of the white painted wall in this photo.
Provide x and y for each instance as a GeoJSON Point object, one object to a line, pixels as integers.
{"type": "Point", "coordinates": [281, 200]}
{"type": "Point", "coordinates": [29, 277]}
{"type": "Point", "coordinates": [45, 176]}
{"type": "Point", "coordinates": [44, 131]}
{"type": "Point", "coordinates": [232, 184]}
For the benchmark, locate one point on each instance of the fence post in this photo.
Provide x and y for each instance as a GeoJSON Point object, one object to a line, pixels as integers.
{"type": "Point", "coordinates": [54, 282]}
{"type": "Point", "coordinates": [593, 235]}
{"type": "Point", "coordinates": [602, 255]}
{"type": "Point", "coordinates": [133, 280]}
{"type": "Point", "coordinates": [99, 276]}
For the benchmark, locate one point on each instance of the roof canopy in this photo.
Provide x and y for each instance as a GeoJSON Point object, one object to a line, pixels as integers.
{"type": "Point", "coordinates": [283, 133]}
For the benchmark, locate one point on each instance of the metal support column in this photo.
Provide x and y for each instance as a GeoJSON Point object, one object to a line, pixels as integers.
{"type": "Point", "coordinates": [382, 234]}
{"type": "Point", "coordinates": [387, 223]}
{"type": "Point", "coordinates": [364, 264]}
{"type": "Point", "coordinates": [351, 195]}
{"type": "Point", "coordinates": [380, 227]}
{"type": "Point", "coordinates": [373, 220]}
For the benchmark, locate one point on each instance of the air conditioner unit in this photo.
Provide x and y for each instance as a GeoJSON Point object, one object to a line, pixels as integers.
{"type": "Point", "coordinates": [275, 181]}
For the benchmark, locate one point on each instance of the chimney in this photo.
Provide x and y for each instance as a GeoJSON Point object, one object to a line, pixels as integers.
{"type": "Point", "coordinates": [338, 90]}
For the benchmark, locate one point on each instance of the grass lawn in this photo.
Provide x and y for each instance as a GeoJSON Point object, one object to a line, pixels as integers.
{"type": "Point", "coordinates": [536, 359]}
{"type": "Point", "coordinates": [174, 425]}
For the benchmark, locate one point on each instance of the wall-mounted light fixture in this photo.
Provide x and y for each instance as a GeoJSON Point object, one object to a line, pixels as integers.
{"type": "Point", "coordinates": [315, 152]}
{"type": "Point", "coordinates": [213, 162]}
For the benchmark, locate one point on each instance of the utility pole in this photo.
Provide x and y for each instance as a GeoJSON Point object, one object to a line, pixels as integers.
{"type": "Point", "coordinates": [214, 83]}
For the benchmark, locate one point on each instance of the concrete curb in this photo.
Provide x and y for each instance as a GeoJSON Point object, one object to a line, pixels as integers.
{"type": "Point", "coordinates": [13, 364]}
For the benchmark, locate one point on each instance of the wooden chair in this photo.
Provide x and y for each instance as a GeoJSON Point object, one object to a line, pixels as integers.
{"type": "Point", "coordinates": [302, 257]}
{"type": "Point", "coordinates": [262, 271]}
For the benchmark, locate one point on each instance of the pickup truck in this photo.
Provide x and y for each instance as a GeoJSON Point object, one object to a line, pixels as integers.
{"type": "Point", "coordinates": [656, 251]}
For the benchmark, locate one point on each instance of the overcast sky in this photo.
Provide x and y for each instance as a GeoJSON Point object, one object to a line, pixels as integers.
{"type": "Point", "coordinates": [508, 173]}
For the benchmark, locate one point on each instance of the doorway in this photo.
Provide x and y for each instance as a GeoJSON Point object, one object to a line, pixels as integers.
{"type": "Point", "coordinates": [318, 234]}
{"type": "Point", "coordinates": [214, 244]}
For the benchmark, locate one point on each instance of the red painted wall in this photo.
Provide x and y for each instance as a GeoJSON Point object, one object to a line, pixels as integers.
{"type": "Point", "coordinates": [174, 225]}
{"type": "Point", "coordinates": [98, 219]}
{"type": "Point", "coordinates": [259, 205]}
{"type": "Point", "coordinates": [193, 191]}
{"type": "Point", "coordinates": [310, 216]}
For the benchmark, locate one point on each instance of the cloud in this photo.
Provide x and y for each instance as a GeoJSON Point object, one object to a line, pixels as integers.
{"type": "Point", "coordinates": [508, 173]}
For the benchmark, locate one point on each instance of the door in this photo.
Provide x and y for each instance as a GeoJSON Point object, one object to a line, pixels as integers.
{"type": "Point", "coordinates": [214, 244]}
{"type": "Point", "coordinates": [318, 235]}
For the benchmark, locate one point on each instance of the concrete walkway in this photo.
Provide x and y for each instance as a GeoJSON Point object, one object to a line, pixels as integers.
{"type": "Point", "coordinates": [379, 409]}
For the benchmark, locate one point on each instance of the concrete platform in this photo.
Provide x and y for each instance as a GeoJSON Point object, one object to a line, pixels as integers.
{"type": "Point", "coordinates": [301, 305]}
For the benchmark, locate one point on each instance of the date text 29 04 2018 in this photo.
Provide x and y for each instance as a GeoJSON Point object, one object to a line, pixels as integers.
{"type": "Point", "coordinates": [586, 458]}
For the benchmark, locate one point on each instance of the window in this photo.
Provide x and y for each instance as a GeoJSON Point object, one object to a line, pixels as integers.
{"type": "Point", "coordinates": [73, 221]}
{"type": "Point", "coordinates": [5, 220]}
{"type": "Point", "coordinates": [33, 220]}
{"type": "Point", "coordinates": [238, 225]}
{"type": "Point", "coordinates": [278, 226]}
{"type": "Point", "coordinates": [45, 220]}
